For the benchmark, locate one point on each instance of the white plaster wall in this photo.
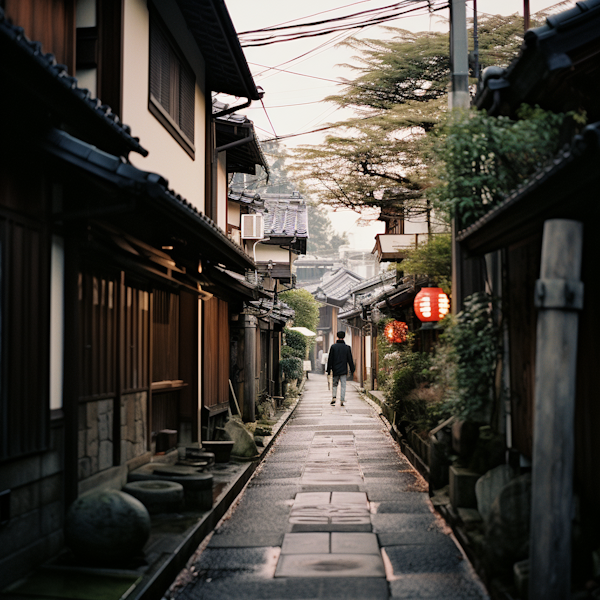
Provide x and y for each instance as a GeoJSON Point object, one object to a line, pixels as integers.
{"type": "Point", "coordinates": [264, 253]}
{"type": "Point", "coordinates": [222, 191]}
{"type": "Point", "coordinates": [416, 225]}
{"type": "Point", "coordinates": [85, 13]}
{"type": "Point", "coordinates": [57, 321]}
{"type": "Point", "coordinates": [85, 16]}
{"type": "Point", "coordinates": [186, 175]}
{"type": "Point", "coordinates": [234, 214]}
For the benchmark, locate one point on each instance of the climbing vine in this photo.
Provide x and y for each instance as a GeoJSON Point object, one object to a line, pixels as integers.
{"type": "Point", "coordinates": [474, 343]}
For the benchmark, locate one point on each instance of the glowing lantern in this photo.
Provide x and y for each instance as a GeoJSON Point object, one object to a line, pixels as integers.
{"type": "Point", "coordinates": [395, 332]}
{"type": "Point", "coordinates": [431, 304]}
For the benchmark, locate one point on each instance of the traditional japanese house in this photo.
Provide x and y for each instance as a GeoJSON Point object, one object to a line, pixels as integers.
{"type": "Point", "coordinates": [281, 239]}
{"type": "Point", "coordinates": [558, 69]}
{"type": "Point", "coordinates": [115, 331]}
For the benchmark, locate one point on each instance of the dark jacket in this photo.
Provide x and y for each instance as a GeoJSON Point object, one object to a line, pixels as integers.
{"type": "Point", "coordinates": [340, 358]}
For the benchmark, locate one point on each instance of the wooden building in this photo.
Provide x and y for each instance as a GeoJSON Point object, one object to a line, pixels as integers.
{"type": "Point", "coordinates": [558, 69]}
{"type": "Point", "coordinates": [118, 279]}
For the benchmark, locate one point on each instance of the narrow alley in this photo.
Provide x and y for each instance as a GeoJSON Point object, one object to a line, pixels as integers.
{"type": "Point", "coordinates": [336, 511]}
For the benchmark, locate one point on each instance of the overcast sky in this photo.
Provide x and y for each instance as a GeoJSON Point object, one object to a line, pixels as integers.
{"type": "Point", "coordinates": [294, 102]}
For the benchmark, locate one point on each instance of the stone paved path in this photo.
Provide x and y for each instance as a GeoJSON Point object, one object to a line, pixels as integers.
{"type": "Point", "coordinates": [335, 512]}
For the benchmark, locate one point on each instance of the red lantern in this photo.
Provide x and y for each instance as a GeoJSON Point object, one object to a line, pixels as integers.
{"type": "Point", "coordinates": [431, 304]}
{"type": "Point", "coordinates": [395, 332]}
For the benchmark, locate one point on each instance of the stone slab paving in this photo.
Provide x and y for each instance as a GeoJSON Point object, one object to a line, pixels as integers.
{"type": "Point", "coordinates": [336, 511]}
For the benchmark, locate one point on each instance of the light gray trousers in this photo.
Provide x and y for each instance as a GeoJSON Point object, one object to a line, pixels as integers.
{"type": "Point", "coordinates": [341, 379]}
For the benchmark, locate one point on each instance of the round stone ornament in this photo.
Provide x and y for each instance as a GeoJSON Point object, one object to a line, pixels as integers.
{"type": "Point", "coordinates": [107, 525]}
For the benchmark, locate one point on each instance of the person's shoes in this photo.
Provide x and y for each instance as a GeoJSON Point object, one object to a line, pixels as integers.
{"type": "Point", "coordinates": [341, 404]}
{"type": "Point", "coordinates": [332, 402]}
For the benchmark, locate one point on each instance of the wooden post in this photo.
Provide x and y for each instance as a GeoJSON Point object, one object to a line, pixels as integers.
{"type": "Point", "coordinates": [250, 325]}
{"type": "Point", "coordinates": [558, 295]}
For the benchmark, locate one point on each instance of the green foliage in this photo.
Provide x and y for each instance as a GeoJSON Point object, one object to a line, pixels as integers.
{"type": "Point", "coordinates": [306, 307]}
{"type": "Point", "coordinates": [383, 157]}
{"type": "Point", "coordinates": [323, 239]}
{"type": "Point", "coordinates": [297, 342]}
{"type": "Point", "coordinates": [287, 351]}
{"type": "Point", "coordinates": [487, 157]}
{"type": "Point", "coordinates": [408, 67]}
{"type": "Point", "coordinates": [432, 258]}
{"type": "Point", "coordinates": [405, 377]}
{"type": "Point", "coordinates": [291, 367]}
{"type": "Point", "coordinates": [474, 344]}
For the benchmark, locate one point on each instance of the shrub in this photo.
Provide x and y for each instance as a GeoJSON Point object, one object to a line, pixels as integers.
{"type": "Point", "coordinates": [475, 343]}
{"type": "Point", "coordinates": [291, 367]}
{"type": "Point", "coordinates": [296, 341]}
{"type": "Point", "coordinates": [287, 351]}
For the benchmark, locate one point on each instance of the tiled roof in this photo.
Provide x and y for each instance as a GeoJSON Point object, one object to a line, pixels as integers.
{"type": "Point", "coordinates": [152, 186]}
{"type": "Point", "coordinates": [285, 215]}
{"type": "Point", "coordinates": [226, 68]}
{"type": "Point", "coordinates": [52, 84]}
{"type": "Point", "coordinates": [556, 68]}
{"type": "Point", "coordinates": [280, 312]}
{"type": "Point", "coordinates": [336, 286]}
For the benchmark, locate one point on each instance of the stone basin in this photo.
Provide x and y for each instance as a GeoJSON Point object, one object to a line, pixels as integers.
{"type": "Point", "coordinates": [197, 486]}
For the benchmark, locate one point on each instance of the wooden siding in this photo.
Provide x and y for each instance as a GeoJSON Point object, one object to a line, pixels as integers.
{"type": "Point", "coordinates": [357, 344]}
{"type": "Point", "coordinates": [51, 22]}
{"type": "Point", "coordinates": [165, 336]}
{"type": "Point", "coordinates": [24, 328]}
{"type": "Point", "coordinates": [136, 339]}
{"type": "Point", "coordinates": [215, 353]}
{"type": "Point", "coordinates": [587, 407]}
{"type": "Point", "coordinates": [98, 315]}
{"type": "Point", "coordinates": [523, 269]}
{"type": "Point", "coordinates": [108, 367]}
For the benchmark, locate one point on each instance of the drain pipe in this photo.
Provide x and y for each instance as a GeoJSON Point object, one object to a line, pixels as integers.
{"type": "Point", "coordinates": [558, 297]}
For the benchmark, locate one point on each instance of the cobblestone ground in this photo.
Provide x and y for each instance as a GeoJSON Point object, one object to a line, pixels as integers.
{"type": "Point", "coordinates": [336, 511]}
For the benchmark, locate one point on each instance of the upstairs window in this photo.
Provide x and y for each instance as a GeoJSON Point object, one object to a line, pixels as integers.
{"type": "Point", "coordinates": [172, 86]}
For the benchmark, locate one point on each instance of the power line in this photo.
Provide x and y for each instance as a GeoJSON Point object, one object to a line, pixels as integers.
{"type": "Point", "coordinates": [319, 13]}
{"type": "Point", "coordinates": [291, 135]}
{"type": "Point", "coordinates": [322, 22]}
{"type": "Point", "coordinates": [277, 38]}
{"type": "Point", "coordinates": [348, 83]}
{"type": "Point", "coordinates": [268, 117]}
{"type": "Point", "coordinates": [285, 105]}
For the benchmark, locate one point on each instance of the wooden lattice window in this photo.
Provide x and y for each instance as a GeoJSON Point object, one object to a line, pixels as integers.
{"type": "Point", "coordinates": [165, 336]}
{"type": "Point", "coordinates": [172, 86]}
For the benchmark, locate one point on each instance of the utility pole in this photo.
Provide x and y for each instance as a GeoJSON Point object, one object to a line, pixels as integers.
{"type": "Point", "coordinates": [526, 14]}
{"type": "Point", "coordinates": [458, 98]}
{"type": "Point", "coordinates": [459, 55]}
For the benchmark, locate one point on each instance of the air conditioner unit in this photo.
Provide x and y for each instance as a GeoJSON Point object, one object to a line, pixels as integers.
{"type": "Point", "coordinates": [253, 227]}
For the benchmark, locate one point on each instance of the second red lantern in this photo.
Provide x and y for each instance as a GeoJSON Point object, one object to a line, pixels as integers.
{"type": "Point", "coordinates": [431, 304]}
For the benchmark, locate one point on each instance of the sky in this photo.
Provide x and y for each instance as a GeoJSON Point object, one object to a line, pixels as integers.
{"type": "Point", "coordinates": [295, 102]}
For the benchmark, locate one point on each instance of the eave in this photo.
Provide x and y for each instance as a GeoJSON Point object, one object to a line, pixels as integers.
{"type": "Point", "coordinates": [32, 82]}
{"type": "Point", "coordinates": [226, 68]}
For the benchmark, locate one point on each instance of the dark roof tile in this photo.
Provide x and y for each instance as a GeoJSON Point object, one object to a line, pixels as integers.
{"type": "Point", "coordinates": [14, 38]}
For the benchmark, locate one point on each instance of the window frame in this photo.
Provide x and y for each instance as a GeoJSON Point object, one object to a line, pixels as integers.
{"type": "Point", "coordinates": [154, 105]}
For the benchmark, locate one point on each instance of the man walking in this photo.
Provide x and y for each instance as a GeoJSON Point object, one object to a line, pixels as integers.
{"type": "Point", "coordinates": [338, 361]}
